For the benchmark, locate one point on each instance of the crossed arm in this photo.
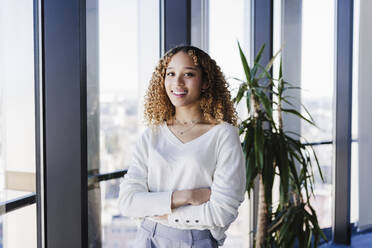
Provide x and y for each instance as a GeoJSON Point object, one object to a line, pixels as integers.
{"type": "Point", "coordinates": [190, 196]}
{"type": "Point", "coordinates": [217, 206]}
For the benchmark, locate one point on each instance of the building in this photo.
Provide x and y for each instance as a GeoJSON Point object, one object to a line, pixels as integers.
{"type": "Point", "coordinates": [72, 80]}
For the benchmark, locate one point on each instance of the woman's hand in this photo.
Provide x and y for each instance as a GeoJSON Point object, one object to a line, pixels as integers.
{"type": "Point", "coordinates": [185, 197]}
{"type": "Point", "coordinates": [162, 217]}
{"type": "Point", "coordinates": [190, 196]}
{"type": "Point", "coordinates": [199, 196]}
{"type": "Point", "coordinates": [180, 198]}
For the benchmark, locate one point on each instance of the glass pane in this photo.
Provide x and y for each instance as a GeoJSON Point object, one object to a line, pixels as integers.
{"type": "Point", "coordinates": [16, 224]}
{"type": "Point", "coordinates": [317, 67]}
{"type": "Point", "coordinates": [317, 91]}
{"type": "Point", "coordinates": [229, 23]}
{"type": "Point", "coordinates": [354, 189]}
{"type": "Point", "coordinates": [17, 121]}
{"type": "Point", "coordinates": [118, 231]}
{"type": "Point", "coordinates": [322, 203]}
{"type": "Point", "coordinates": [122, 51]}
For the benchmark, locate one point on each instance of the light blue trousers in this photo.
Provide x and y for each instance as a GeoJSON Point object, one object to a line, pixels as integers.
{"type": "Point", "coordinates": [155, 235]}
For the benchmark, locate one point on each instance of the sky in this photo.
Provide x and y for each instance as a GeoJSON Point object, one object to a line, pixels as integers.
{"type": "Point", "coordinates": [118, 43]}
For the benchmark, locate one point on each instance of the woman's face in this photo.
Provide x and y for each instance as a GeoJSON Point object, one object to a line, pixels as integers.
{"type": "Point", "coordinates": [183, 81]}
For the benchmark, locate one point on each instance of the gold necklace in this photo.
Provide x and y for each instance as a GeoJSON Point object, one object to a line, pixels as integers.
{"type": "Point", "coordinates": [193, 122]}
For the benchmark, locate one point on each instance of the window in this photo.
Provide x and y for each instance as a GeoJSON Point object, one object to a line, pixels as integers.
{"type": "Point", "coordinates": [354, 189]}
{"type": "Point", "coordinates": [122, 51]}
{"type": "Point", "coordinates": [317, 82]}
{"type": "Point", "coordinates": [17, 122]}
{"type": "Point", "coordinates": [229, 23]}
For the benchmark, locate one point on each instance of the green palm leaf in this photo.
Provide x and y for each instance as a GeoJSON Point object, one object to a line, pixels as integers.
{"type": "Point", "coordinates": [246, 68]}
{"type": "Point", "coordinates": [270, 151]}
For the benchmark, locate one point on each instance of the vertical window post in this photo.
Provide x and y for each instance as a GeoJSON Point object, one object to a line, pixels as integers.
{"type": "Point", "coordinates": [341, 229]}
{"type": "Point", "coordinates": [262, 33]}
{"type": "Point", "coordinates": [64, 122]}
{"type": "Point", "coordinates": [175, 28]}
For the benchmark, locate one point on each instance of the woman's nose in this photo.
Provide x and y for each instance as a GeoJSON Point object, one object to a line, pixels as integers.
{"type": "Point", "coordinates": [179, 80]}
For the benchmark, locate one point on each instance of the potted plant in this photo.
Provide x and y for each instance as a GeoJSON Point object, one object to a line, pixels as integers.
{"type": "Point", "coordinates": [269, 151]}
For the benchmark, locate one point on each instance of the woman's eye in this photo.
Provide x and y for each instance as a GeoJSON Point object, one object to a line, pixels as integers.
{"type": "Point", "coordinates": [187, 74]}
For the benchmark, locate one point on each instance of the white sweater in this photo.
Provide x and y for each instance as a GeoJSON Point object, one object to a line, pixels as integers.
{"type": "Point", "coordinates": [161, 163]}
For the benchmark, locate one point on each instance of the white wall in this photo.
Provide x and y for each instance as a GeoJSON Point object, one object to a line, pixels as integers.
{"type": "Point", "coordinates": [365, 114]}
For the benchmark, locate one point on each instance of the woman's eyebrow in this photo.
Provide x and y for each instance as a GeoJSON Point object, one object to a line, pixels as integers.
{"type": "Point", "coordinates": [187, 67]}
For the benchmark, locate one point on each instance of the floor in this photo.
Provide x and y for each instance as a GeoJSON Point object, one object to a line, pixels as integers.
{"type": "Point", "coordinates": [359, 240]}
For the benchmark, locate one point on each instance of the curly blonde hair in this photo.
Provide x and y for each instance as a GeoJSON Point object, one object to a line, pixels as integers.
{"type": "Point", "coordinates": [215, 102]}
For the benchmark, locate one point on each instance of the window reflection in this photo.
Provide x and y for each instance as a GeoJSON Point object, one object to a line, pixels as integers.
{"type": "Point", "coordinates": [229, 23]}
{"type": "Point", "coordinates": [317, 82]}
{"type": "Point", "coordinates": [322, 203]}
{"type": "Point", "coordinates": [122, 50]}
{"type": "Point", "coordinates": [17, 121]}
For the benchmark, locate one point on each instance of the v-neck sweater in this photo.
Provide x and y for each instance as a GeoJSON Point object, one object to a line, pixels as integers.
{"type": "Point", "coordinates": [161, 164]}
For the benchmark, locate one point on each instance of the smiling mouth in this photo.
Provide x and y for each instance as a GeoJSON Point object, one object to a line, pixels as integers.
{"type": "Point", "coordinates": [179, 93]}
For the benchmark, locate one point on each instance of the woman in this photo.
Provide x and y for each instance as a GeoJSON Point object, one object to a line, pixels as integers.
{"type": "Point", "coordinates": [187, 176]}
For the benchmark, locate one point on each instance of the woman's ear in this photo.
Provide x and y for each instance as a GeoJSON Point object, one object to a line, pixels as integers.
{"type": "Point", "coordinates": [205, 86]}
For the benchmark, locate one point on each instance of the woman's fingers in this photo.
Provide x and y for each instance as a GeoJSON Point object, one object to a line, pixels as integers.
{"type": "Point", "coordinates": [164, 217]}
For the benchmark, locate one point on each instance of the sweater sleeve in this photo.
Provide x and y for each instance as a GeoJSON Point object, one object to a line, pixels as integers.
{"type": "Point", "coordinates": [135, 200]}
{"type": "Point", "coordinates": [227, 189]}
